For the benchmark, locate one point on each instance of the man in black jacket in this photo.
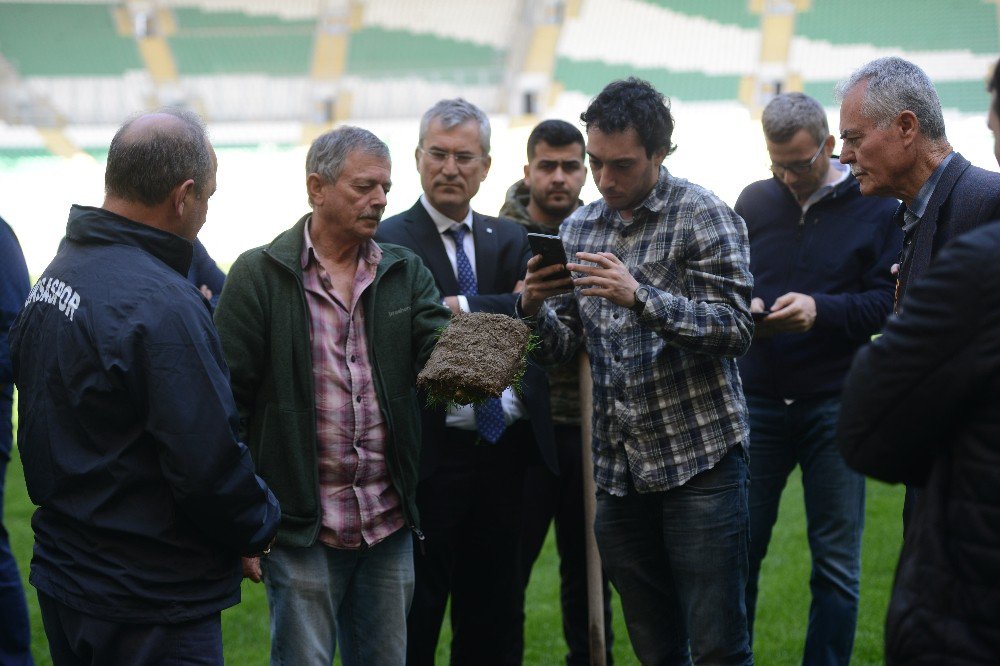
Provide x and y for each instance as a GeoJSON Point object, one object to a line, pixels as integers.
{"type": "Point", "coordinates": [472, 462]}
{"type": "Point", "coordinates": [127, 425]}
{"type": "Point", "coordinates": [820, 255]}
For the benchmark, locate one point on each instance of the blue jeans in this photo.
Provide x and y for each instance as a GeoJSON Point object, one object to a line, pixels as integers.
{"type": "Point", "coordinates": [804, 433]}
{"type": "Point", "coordinates": [678, 559]}
{"type": "Point", "coordinates": [322, 597]}
{"type": "Point", "coordinates": [15, 635]}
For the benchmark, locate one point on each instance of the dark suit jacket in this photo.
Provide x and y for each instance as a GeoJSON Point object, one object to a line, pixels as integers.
{"type": "Point", "coordinates": [502, 254]}
{"type": "Point", "coordinates": [965, 198]}
{"type": "Point", "coordinates": [920, 406]}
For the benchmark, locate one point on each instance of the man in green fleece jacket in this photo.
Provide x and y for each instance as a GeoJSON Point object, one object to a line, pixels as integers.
{"type": "Point", "coordinates": [324, 331]}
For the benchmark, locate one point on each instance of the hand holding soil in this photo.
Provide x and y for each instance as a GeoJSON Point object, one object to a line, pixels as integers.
{"type": "Point", "coordinates": [476, 357]}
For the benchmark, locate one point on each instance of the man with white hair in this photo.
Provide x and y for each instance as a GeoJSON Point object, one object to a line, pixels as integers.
{"type": "Point", "coordinates": [894, 140]}
{"type": "Point", "coordinates": [920, 406]}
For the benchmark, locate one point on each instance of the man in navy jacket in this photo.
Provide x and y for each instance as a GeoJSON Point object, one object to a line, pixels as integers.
{"type": "Point", "coordinates": [127, 425]}
{"type": "Point", "coordinates": [820, 255]}
{"type": "Point", "coordinates": [15, 638]}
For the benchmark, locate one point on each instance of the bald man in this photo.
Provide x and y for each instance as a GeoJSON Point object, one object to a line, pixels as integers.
{"type": "Point", "coordinates": [146, 498]}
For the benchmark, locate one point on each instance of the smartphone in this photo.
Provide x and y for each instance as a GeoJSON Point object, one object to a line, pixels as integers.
{"type": "Point", "coordinates": [757, 316]}
{"type": "Point", "coordinates": [552, 251]}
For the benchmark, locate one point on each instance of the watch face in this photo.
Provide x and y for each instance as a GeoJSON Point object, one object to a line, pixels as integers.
{"type": "Point", "coordinates": [641, 294]}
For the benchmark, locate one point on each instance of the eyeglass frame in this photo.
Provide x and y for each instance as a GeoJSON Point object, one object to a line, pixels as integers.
{"type": "Point", "coordinates": [462, 160]}
{"type": "Point", "coordinates": [779, 170]}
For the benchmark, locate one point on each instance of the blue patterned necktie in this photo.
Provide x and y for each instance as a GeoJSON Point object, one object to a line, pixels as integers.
{"type": "Point", "coordinates": [490, 422]}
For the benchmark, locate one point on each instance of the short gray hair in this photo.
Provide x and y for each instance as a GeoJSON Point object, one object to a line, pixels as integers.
{"type": "Point", "coordinates": [787, 114]}
{"type": "Point", "coordinates": [329, 151]}
{"type": "Point", "coordinates": [454, 112]}
{"type": "Point", "coordinates": [896, 85]}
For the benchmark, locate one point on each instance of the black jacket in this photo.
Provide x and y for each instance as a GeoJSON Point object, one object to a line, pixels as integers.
{"type": "Point", "coordinates": [502, 254]}
{"type": "Point", "coordinates": [921, 405]}
{"type": "Point", "coordinates": [840, 253]}
{"type": "Point", "coordinates": [127, 431]}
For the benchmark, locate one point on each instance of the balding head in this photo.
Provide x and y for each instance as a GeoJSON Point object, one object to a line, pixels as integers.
{"type": "Point", "coordinates": [154, 153]}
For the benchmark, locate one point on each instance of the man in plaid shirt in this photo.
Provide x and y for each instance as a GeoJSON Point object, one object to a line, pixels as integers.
{"type": "Point", "coordinates": [660, 297]}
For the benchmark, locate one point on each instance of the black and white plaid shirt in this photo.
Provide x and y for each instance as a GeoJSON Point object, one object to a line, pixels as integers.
{"type": "Point", "coordinates": [668, 402]}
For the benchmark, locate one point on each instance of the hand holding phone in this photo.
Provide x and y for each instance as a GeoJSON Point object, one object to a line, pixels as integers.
{"type": "Point", "coordinates": [552, 251]}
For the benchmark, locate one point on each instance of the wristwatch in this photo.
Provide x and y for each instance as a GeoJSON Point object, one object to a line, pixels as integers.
{"type": "Point", "coordinates": [641, 295]}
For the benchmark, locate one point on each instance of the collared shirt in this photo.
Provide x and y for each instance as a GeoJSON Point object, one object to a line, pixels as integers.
{"type": "Point", "coordinates": [912, 215]}
{"type": "Point", "coordinates": [360, 506]}
{"type": "Point", "coordinates": [837, 174]}
{"type": "Point", "coordinates": [915, 211]}
{"type": "Point", "coordinates": [668, 402]}
{"type": "Point", "coordinates": [463, 416]}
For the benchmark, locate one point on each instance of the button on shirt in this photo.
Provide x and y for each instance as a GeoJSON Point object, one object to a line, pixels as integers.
{"type": "Point", "coordinates": [360, 506]}
{"type": "Point", "coordinates": [668, 402]}
{"type": "Point", "coordinates": [463, 416]}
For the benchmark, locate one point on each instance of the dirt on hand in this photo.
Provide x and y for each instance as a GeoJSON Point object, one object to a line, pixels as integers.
{"type": "Point", "coordinates": [477, 356]}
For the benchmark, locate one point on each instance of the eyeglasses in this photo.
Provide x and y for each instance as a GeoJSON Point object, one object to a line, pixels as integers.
{"type": "Point", "coordinates": [779, 170]}
{"type": "Point", "coordinates": [437, 157]}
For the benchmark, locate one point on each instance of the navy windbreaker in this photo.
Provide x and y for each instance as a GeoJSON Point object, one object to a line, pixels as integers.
{"type": "Point", "coordinates": [127, 431]}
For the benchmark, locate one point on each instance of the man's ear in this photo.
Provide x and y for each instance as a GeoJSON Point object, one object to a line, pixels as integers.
{"type": "Point", "coordinates": [314, 186]}
{"type": "Point", "coordinates": [487, 161]}
{"type": "Point", "coordinates": [180, 195]}
{"type": "Point", "coordinates": [908, 125]}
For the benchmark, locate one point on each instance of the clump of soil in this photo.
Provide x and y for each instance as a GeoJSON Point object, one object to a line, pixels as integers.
{"type": "Point", "coordinates": [476, 357]}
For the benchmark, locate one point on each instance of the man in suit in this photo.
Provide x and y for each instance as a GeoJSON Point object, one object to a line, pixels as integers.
{"type": "Point", "coordinates": [472, 471]}
{"type": "Point", "coordinates": [894, 139]}
{"type": "Point", "coordinates": [920, 407]}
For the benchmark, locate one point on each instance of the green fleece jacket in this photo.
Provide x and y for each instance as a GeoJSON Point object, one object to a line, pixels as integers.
{"type": "Point", "coordinates": [263, 322]}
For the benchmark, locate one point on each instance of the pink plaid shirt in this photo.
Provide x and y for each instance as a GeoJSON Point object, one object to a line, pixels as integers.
{"type": "Point", "coordinates": [359, 503]}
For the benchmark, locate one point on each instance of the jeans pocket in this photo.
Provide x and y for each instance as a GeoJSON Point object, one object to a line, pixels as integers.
{"type": "Point", "coordinates": [727, 474]}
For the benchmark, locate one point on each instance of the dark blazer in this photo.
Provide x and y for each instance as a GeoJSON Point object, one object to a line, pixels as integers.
{"type": "Point", "coordinates": [502, 254]}
{"type": "Point", "coordinates": [921, 405]}
{"type": "Point", "coordinates": [965, 198]}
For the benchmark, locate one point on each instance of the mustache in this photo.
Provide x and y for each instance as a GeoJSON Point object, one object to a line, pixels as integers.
{"type": "Point", "coordinates": [371, 214]}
